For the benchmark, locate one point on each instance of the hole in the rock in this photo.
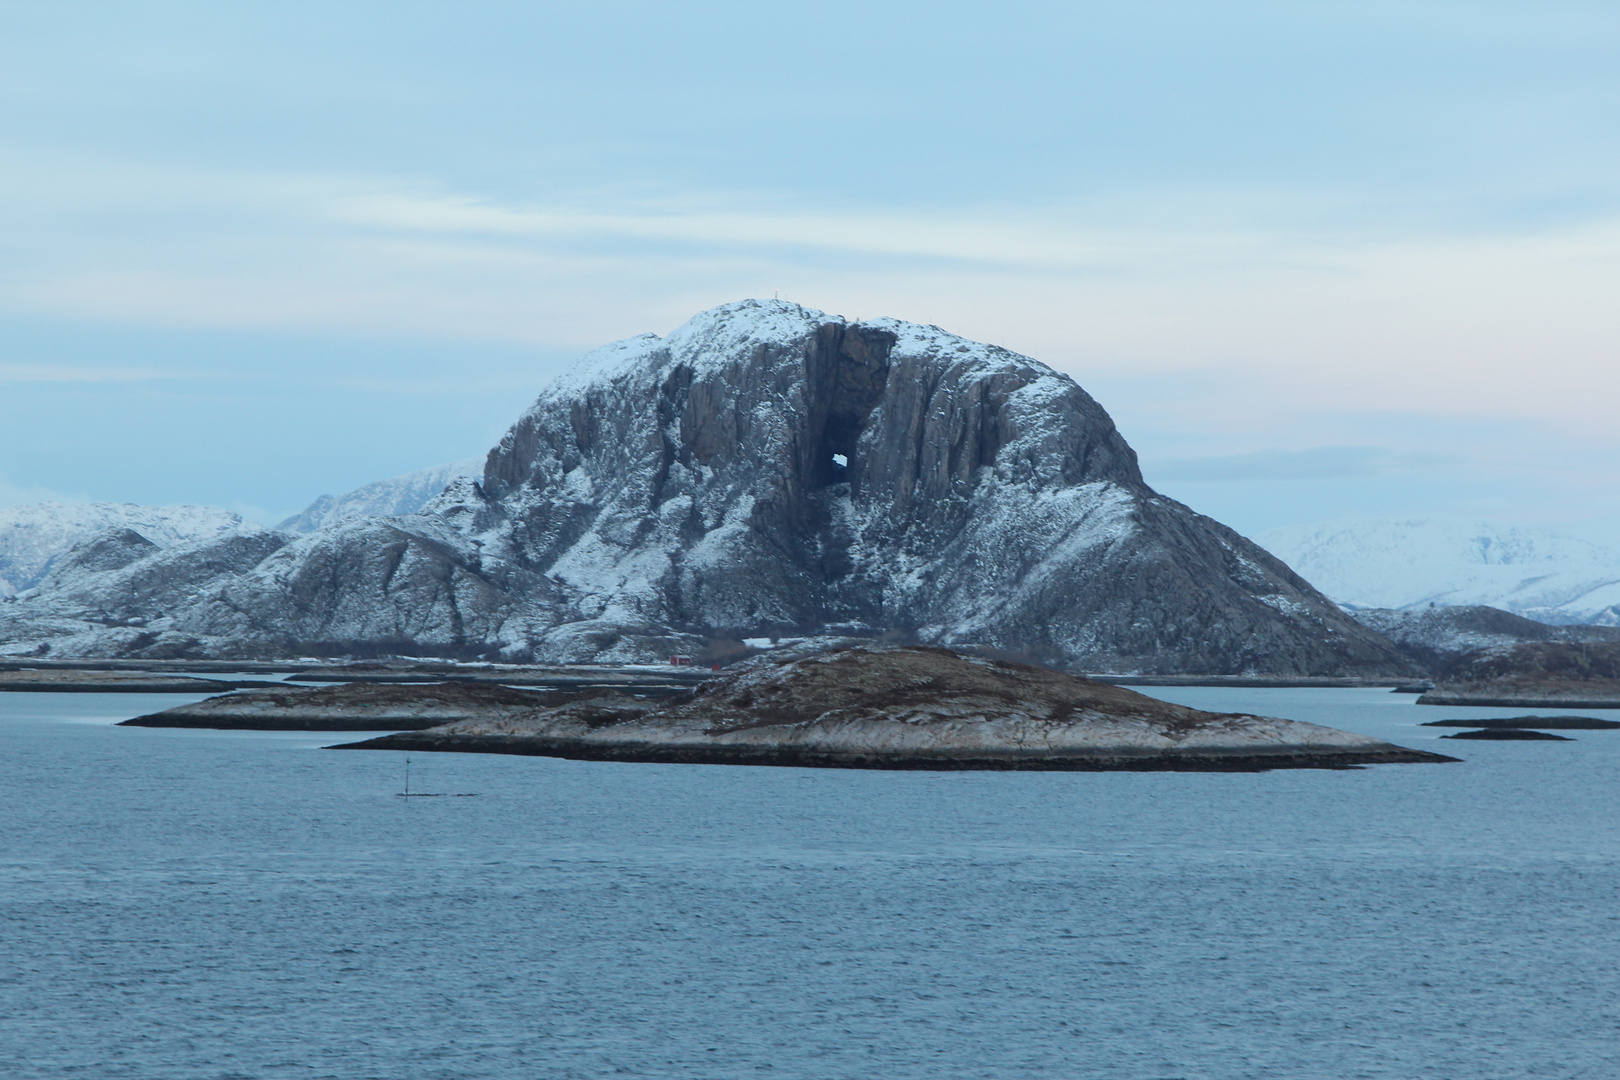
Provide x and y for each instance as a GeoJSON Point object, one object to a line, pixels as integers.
{"type": "Point", "coordinates": [837, 444]}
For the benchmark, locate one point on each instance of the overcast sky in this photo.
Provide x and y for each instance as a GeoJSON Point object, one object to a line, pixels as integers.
{"type": "Point", "coordinates": [1319, 260]}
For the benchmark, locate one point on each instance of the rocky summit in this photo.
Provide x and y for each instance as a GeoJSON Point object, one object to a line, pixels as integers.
{"type": "Point", "coordinates": [765, 470]}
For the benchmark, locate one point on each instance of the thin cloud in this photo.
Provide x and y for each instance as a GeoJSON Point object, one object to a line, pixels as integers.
{"type": "Point", "coordinates": [1466, 323]}
{"type": "Point", "coordinates": [1046, 244]}
{"type": "Point", "coordinates": [55, 373]}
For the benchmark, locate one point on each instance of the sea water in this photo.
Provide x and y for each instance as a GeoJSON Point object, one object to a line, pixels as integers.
{"type": "Point", "coordinates": [196, 904]}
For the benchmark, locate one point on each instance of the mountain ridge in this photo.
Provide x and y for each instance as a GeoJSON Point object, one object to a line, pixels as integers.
{"type": "Point", "coordinates": [765, 468]}
{"type": "Point", "coordinates": [34, 536]}
{"type": "Point", "coordinates": [406, 493]}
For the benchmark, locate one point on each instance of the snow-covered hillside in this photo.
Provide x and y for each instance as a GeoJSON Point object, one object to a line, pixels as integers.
{"type": "Point", "coordinates": [764, 469]}
{"type": "Point", "coordinates": [382, 498]}
{"type": "Point", "coordinates": [1413, 563]}
{"type": "Point", "coordinates": [34, 536]}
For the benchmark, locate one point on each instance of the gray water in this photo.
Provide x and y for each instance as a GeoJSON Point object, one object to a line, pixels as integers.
{"type": "Point", "coordinates": [183, 904]}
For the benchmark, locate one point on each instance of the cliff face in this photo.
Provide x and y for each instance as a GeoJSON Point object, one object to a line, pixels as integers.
{"type": "Point", "coordinates": [770, 469]}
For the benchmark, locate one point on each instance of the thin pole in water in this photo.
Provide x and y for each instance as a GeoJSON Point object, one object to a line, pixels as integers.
{"type": "Point", "coordinates": [407, 775]}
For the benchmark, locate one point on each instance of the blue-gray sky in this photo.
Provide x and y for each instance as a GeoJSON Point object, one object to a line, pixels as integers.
{"type": "Point", "coordinates": [1318, 259]}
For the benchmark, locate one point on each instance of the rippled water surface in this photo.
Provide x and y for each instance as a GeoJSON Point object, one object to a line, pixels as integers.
{"type": "Point", "coordinates": [180, 904]}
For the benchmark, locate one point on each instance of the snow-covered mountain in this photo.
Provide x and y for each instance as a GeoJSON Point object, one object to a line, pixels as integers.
{"type": "Point", "coordinates": [33, 537]}
{"type": "Point", "coordinates": [765, 468]}
{"type": "Point", "coordinates": [1435, 637]}
{"type": "Point", "coordinates": [382, 498]}
{"type": "Point", "coordinates": [1413, 563]}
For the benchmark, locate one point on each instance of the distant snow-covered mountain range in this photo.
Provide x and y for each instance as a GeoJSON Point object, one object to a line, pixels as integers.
{"type": "Point", "coordinates": [1413, 563]}
{"type": "Point", "coordinates": [1361, 564]}
{"type": "Point", "coordinates": [382, 498]}
{"type": "Point", "coordinates": [34, 537]}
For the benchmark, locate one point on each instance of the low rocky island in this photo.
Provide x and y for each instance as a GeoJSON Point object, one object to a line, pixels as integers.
{"type": "Point", "coordinates": [1549, 675]}
{"type": "Point", "coordinates": [76, 681]}
{"type": "Point", "coordinates": [369, 705]}
{"type": "Point", "coordinates": [904, 708]}
{"type": "Point", "coordinates": [352, 707]}
{"type": "Point", "coordinates": [1519, 723]}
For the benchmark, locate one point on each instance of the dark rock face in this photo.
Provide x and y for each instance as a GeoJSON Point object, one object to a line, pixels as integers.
{"type": "Point", "coordinates": [767, 469]}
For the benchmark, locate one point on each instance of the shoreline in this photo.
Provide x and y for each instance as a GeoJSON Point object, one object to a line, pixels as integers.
{"type": "Point", "coordinates": [1293, 757]}
{"type": "Point", "coordinates": [557, 676]}
{"type": "Point", "coordinates": [1516, 701]}
{"type": "Point", "coordinates": [291, 722]}
{"type": "Point", "coordinates": [65, 683]}
{"type": "Point", "coordinates": [1263, 682]}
